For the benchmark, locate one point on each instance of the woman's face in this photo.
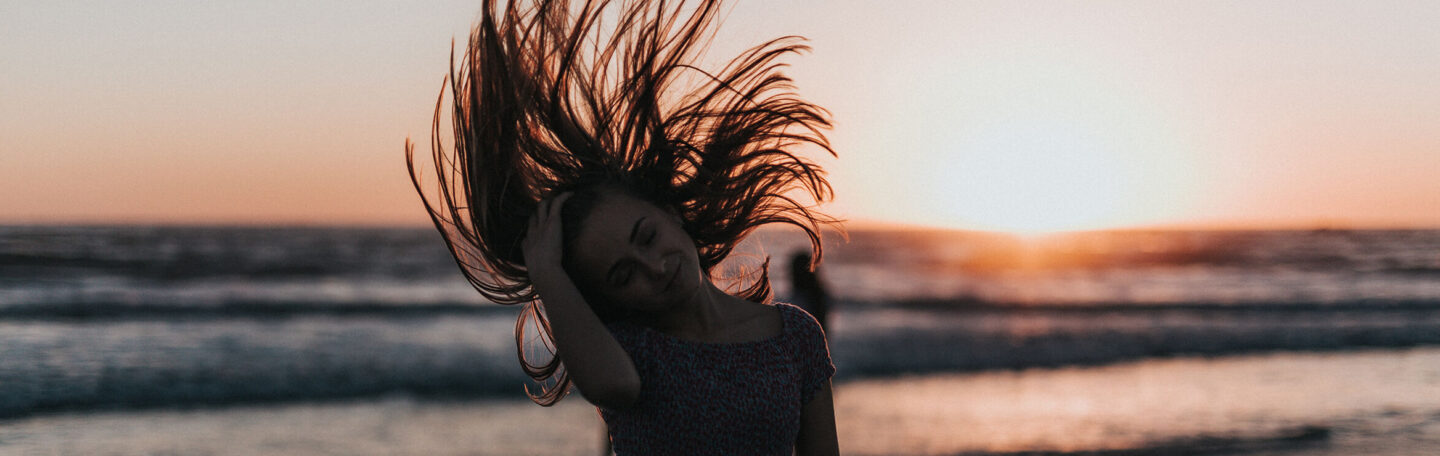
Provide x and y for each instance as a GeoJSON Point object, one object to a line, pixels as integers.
{"type": "Point", "coordinates": [635, 255]}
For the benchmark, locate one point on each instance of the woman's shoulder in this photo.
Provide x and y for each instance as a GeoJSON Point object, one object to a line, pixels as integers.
{"type": "Point", "coordinates": [807, 341]}
{"type": "Point", "coordinates": [798, 321]}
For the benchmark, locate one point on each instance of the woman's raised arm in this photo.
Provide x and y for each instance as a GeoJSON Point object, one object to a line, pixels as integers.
{"type": "Point", "coordinates": [596, 363]}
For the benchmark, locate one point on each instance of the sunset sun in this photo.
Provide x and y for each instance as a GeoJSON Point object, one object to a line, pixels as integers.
{"type": "Point", "coordinates": [1041, 178]}
{"type": "Point", "coordinates": [1029, 141]}
{"type": "Point", "coordinates": [1063, 162]}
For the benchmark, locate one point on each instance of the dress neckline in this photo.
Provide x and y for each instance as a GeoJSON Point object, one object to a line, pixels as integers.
{"type": "Point", "coordinates": [785, 316]}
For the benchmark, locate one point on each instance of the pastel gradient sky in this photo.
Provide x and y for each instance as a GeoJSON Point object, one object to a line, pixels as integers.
{"type": "Point", "coordinates": [1009, 115]}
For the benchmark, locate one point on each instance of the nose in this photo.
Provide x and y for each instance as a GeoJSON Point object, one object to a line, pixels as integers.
{"type": "Point", "coordinates": [654, 265]}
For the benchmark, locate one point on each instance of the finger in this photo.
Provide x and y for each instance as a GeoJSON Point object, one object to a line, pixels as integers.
{"type": "Point", "coordinates": [532, 224]}
{"type": "Point", "coordinates": [542, 212]}
{"type": "Point", "coordinates": [558, 202]}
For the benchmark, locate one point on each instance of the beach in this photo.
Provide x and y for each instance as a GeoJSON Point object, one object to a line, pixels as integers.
{"type": "Point", "coordinates": [1272, 404]}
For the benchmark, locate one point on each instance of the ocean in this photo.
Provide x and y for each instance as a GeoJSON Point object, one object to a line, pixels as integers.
{"type": "Point", "coordinates": [239, 340]}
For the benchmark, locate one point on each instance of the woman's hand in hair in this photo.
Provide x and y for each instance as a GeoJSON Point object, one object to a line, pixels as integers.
{"type": "Point", "coordinates": [597, 364]}
{"type": "Point", "coordinates": [543, 247]}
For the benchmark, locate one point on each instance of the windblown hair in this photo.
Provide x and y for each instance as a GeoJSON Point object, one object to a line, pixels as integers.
{"type": "Point", "coordinates": [552, 97]}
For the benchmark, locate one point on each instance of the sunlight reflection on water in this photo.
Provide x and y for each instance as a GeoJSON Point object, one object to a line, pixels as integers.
{"type": "Point", "coordinates": [1139, 404]}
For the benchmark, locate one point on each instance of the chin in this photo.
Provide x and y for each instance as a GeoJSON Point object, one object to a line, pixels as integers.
{"type": "Point", "coordinates": [675, 298]}
{"type": "Point", "coordinates": [657, 308]}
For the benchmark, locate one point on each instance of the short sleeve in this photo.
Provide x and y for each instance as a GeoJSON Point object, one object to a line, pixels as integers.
{"type": "Point", "coordinates": [815, 364]}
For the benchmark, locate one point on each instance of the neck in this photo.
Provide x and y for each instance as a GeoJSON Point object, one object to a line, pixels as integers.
{"type": "Point", "coordinates": [701, 315]}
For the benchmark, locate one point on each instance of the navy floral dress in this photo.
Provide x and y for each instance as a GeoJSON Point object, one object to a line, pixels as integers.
{"type": "Point", "coordinates": [720, 398]}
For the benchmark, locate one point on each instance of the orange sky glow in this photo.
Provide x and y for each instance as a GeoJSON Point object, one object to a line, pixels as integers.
{"type": "Point", "coordinates": [992, 115]}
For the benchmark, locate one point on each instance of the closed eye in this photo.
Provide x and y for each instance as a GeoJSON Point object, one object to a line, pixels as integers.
{"type": "Point", "coordinates": [641, 234]}
{"type": "Point", "coordinates": [620, 274]}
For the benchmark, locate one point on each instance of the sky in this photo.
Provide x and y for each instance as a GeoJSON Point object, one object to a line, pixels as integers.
{"type": "Point", "coordinates": [994, 115]}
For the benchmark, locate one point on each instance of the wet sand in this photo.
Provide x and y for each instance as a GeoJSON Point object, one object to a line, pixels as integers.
{"type": "Point", "coordinates": [1382, 402]}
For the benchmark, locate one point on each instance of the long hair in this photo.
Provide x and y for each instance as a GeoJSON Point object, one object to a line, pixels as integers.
{"type": "Point", "coordinates": [551, 97]}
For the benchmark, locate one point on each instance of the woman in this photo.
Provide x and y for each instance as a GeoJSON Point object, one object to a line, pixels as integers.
{"type": "Point", "coordinates": [599, 178]}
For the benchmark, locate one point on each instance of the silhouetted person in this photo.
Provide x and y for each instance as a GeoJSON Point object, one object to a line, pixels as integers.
{"type": "Point", "coordinates": [807, 289]}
